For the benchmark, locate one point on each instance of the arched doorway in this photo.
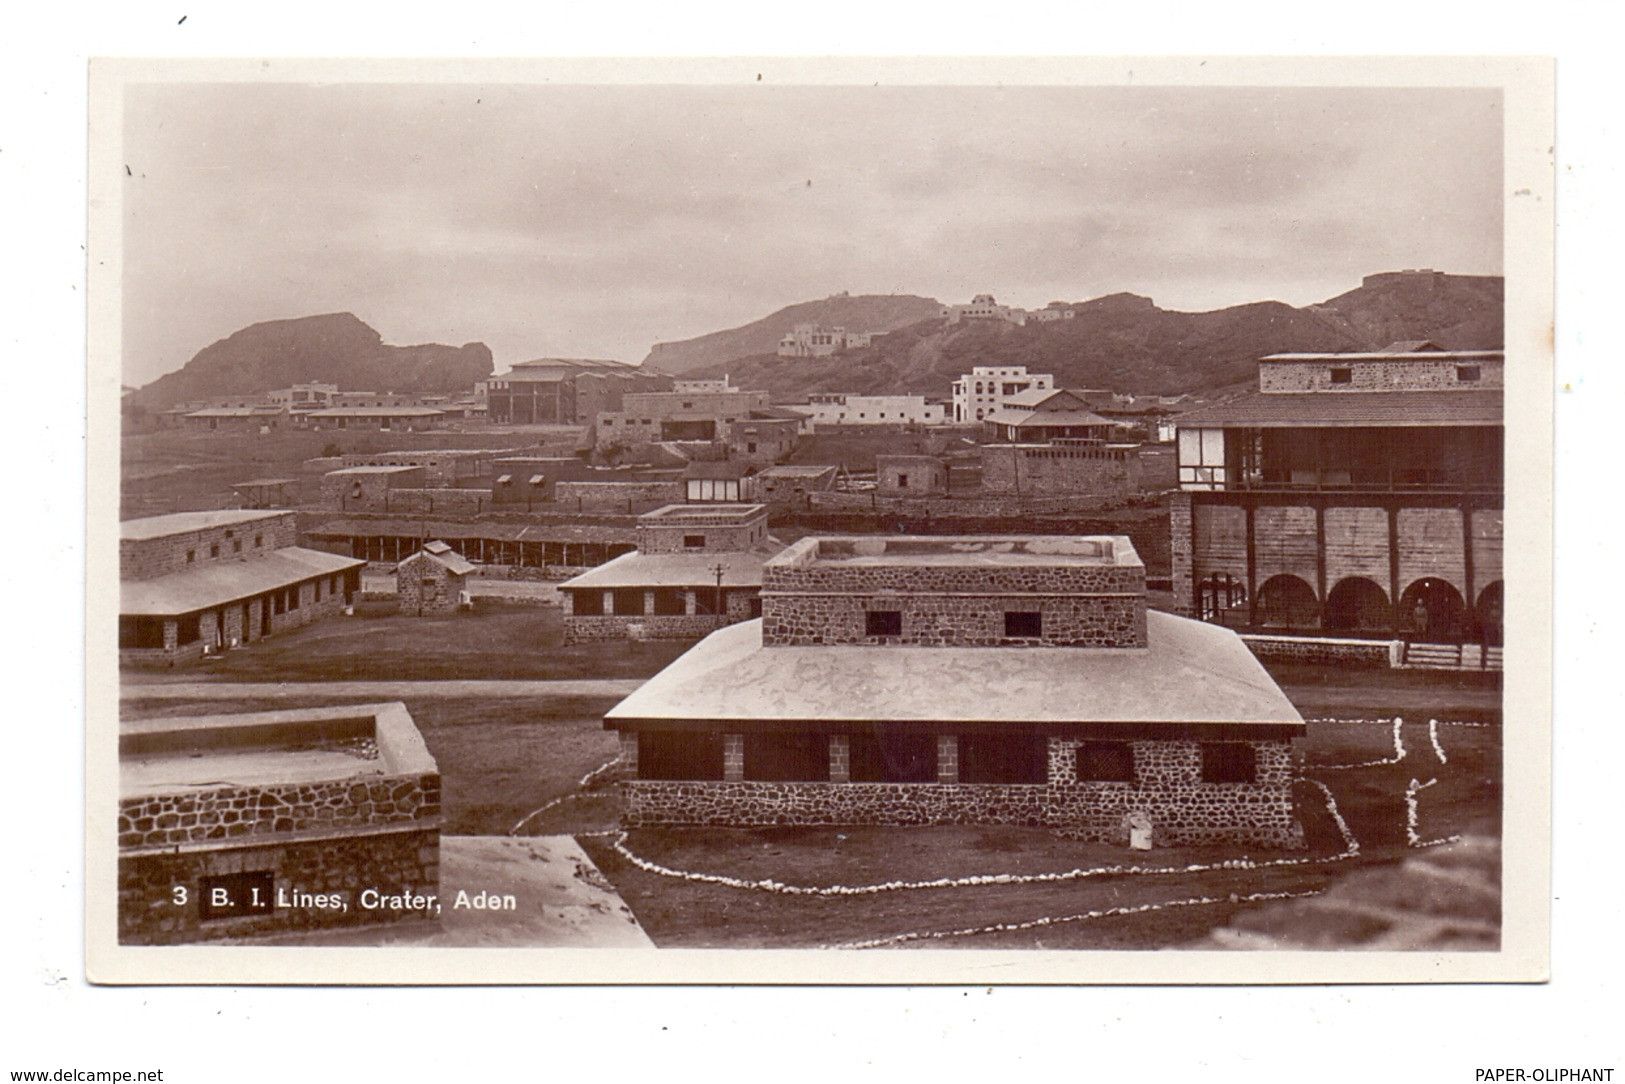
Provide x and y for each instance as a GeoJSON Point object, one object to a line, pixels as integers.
{"type": "Point", "coordinates": [1488, 613]}
{"type": "Point", "coordinates": [1432, 610]}
{"type": "Point", "coordinates": [1287, 602]}
{"type": "Point", "coordinates": [1358, 605]}
{"type": "Point", "coordinates": [1222, 599]}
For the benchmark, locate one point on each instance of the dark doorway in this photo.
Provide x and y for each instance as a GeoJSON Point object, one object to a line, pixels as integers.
{"type": "Point", "coordinates": [1287, 602]}
{"type": "Point", "coordinates": [1358, 605]}
{"type": "Point", "coordinates": [1431, 610]}
{"type": "Point", "coordinates": [1490, 601]}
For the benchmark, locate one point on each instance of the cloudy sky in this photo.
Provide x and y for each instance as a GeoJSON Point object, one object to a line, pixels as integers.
{"type": "Point", "coordinates": [594, 221]}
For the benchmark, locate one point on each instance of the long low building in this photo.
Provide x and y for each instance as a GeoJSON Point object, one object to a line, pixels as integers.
{"type": "Point", "coordinates": [197, 582]}
{"type": "Point", "coordinates": [542, 547]}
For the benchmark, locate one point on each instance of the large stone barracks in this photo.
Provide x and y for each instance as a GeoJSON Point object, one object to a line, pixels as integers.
{"type": "Point", "coordinates": [953, 680]}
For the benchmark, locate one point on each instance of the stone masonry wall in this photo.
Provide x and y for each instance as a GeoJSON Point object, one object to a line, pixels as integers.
{"type": "Point", "coordinates": [425, 586]}
{"type": "Point", "coordinates": [618, 496]}
{"type": "Point", "coordinates": [1183, 810]}
{"type": "Point", "coordinates": [587, 628]}
{"type": "Point", "coordinates": [723, 533]}
{"type": "Point", "coordinates": [1373, 375]}
{"type": "Point", "coordinates": [149, 558]}
{"type": "Point", "coordinates": [389, 862]}
{"type": "Point", "coordinates": [942, 620]}
{"type": "Point", "coordinates": [1179, 526]}
{"type": "Point", "coordinates": [1357, 654]}
{"type": "Point", "coordinates": [1060, 470]}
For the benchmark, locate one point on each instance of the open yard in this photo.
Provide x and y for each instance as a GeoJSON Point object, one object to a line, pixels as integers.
{"type": "Point", "coordinates": [1368, 793]}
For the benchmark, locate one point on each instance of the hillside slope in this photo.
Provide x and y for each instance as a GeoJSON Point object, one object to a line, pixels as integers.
{"type": "Point", "coordinates": [866, 312]}
{"type": "Point", "coordinates": [1127, 344]}
{"type": "Point", "coordinates": [336, 348]}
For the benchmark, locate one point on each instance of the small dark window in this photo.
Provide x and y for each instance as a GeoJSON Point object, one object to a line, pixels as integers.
{"type": "Point", "coordinates": [693, 541]}
{"type": "Point", "coordinates": [902, 481]}
{"type": "Point", "coordinates": [892, 758]}
{"type": "Point", "coordinates": [1229, 762]}
{"type": "Point", "coordinates": [787, 758]}
{"type": "Point", "coordinates": [1342, 376]}
{"type": "Point", "coordinates": [586, 603]}
{"type": "Point", "coordinates": [191, 555]}
{"type": "Point", "coordinates": [1023, 624]}
{"type": "Point", "coordinates": [1468, 374]}
{"type": "Point", "coordinates": [668, 601]}
{"type": "Point", "coordinates": [259, 540]}
{"type": "Point", "coordinates": [883, 623]}
{"type": "Point", "coordinates": [629, 601]}
{"type": "Point", "coordinates": [214, 549]}
{"type": "Point", "coordinates": [1003, 758]}
{"type": "Point", "coordinates": [188, 629]}
{"type": "Point", "coordinates": [237, 545]}
{"type": "Point", "coordinates": [1105, 762]}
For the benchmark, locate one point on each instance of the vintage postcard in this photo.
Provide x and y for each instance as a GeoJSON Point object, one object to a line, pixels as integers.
{"type": "Point", "coordinates": [860, 521]}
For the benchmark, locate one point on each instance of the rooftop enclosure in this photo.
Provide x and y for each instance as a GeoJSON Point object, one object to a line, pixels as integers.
{"type": "Point", "coordinates": [696, 528]}
{"type": "Point", "coordinates": [956, 591]}
{"type": "Point", "coordinates": [231, 825]}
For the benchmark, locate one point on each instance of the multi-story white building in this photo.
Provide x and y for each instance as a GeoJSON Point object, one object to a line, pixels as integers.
{"type": "Point", "coordinates": [814, 341]}
{"type": "Point", "coordinates": [984, 307]}
{"type": "Point", "coordinates": [986, 387]}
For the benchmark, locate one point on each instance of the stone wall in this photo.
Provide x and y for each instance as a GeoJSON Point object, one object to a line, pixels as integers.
{"type": "Point", "coordinates": [723, 531]}
{"type": "Point", "coordinates": [424, 586]}
{"type": "Point", "coordinates": [1183, 810]}
{"type": "Point", "coordinates": [910, 476]}
{"type": "Point", "coordinates": [390, 862]}
{"type": "Point", "coordinates": [441, 467]}
{"type": "Point", "coordinates": [1376, 375]}
{"type": "Point", "coordinates": [943, 620]}
{"type": "Point", "coordinates": [367, 491]}
{"type": "Point", "coordinates": [624, 497]}
{"type": "Point", "coordinates": [440, 501]}
{"type": "Point", "coordinates": [1060, 470]}
{"type": "Point", "coordinates": [219, 626]}
{"type": "Point", "coordinates": [149, 558]}
{"type": "Point", "coordinates": [584, 628]}
{"type": "Point", "coordinates": [1352, 654]}
{"type": "Point", "coordinates": [1179, 529]}
{"type": "Point", "coordinates": [960, 504]}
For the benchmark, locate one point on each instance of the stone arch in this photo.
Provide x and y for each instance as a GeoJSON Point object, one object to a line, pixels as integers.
{"type": "Point", "coordinates": [1487, 612]}
{"type": "Point", "coordinates": [1222, 599]}
{"type": "Point", "coordinates": [1431, 609]}
{"type": "Point", "coordinates": [1288, 602]}
{"type": "Point", "coordinates": [1358, 604]}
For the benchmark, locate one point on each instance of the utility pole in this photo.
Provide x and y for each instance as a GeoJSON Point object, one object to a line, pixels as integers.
{"type": "Point", "coordinates": [718, 569]}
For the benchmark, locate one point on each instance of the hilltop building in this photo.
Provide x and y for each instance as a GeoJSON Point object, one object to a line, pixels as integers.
{"type": "Point", "coordinates": [1353, 493]}
{"type": "Point", "coordinates": [193, 583]}
{"type": "Point", "coordinates": [985, 388]}
{"type": "Point", "coordinates": [697, 567]}
{"type": "Point", "coordinates": [952, 680]}
{"type": "Point", "coordinates": [984, 307]}
{"type": "Point", "coordinates": [815, 341]}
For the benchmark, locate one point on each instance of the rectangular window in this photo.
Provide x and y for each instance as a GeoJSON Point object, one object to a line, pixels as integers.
{"type": "Point", "coordinates": [883, 623]}
{"type": "Point", "coordinates": [1342, 376]}
{"type": "Point", "coordinates": [214, 549]}
{"type": "Point", "coordinates": [1023, 625]}
{"type": "Point", "coordinates": [1003, 758]}
{"type": "Point", "coordinates": [259, 540]}
{"type": "Point", "coordinates": [293, 598]}
{"type": "Point", "coordinates": [140, 632]}
{"type": "Point", "coordinates": [1468, 374]}
{"type": "Point", "coordinates": [191, 555]}
{"type": "Point", "coordinates": [1105, 762]}
{"type": "Point", "coordinates": [628, 601]}
{"type": "Point", "coordinates": [237, 546]}
{"type": "Point", "coordinates": [787, 758]}
{"type": "Point", "coordinates": [188, 630]}
{"type": "Point", "coordinates": [893, 758]}
{"type": "Point", "coordinates": [1229, 762]}
{"type": "Point", "coordinates": [586, 603]}
{"type": "Point", "coordinates": [902, 481]}
{"type": "Point", "coordinates": [679, 755]}
{"type": "Point", "coordinates": [693, 541]}
{"type": "Point", "coordinates": [668, 601]}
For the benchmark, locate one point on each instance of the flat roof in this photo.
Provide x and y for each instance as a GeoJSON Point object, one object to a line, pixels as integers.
{"type": "Point", "coordinates": [375, 412]}
{"type": "Point", "coordinates": [970, 550]}
{"type": "Point", "coordinates": [1191, 673]}
{"type": "Point", "coordinates": [378, 468]}
{"type": "Point", "coordinates": [794, 470]}
{"type": "Point", "coordinates": [674, 570]}
{"type": "Point", "coordinates": [1396, 355]}
{"type": "Point", "coordinates": [216, 583]}
{"type": "Point", "coordinates": [303, 745]}
{"type": "Point", "coordinates": [1353, 409]}
{"type": "Point", "coordinates": [407, 527]}
{"type": "Point", "coordinates": [182, 522]}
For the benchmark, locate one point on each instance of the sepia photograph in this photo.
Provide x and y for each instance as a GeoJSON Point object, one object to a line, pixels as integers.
{"type": "Point", "coordinates": [954, 521]}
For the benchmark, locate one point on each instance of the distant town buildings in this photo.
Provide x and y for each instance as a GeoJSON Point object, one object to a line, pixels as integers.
{"type": "Point", "coordinates": [1354, 493]}
{"type": "Point", "coordinates": [565, 391]}
{"type": "Point", "coordinates": [986, 387]}
{"type": "Point", "coordinates": [199, 582]}
{"type": "Point", "coordinates": [815, 341]}
{"type": "Point", "coordinates": [834, 408]}
{"type": "Point", "coordinates": [984, 307]}
{"type": "Point", "coordinates": [985, 680]}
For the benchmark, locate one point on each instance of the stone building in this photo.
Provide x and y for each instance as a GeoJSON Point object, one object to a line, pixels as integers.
{"type": "Point", "coordinates": [402, 418]}
{"type": "Point", "coordinates": [521, 482]}
{"type": "Point", "coordinates": [1044, 414]}
{"type": "Point", "coordinates": [441, 466]}
{"type": "Point", "coordinates": [816, 341]}
{"type": "Point", "coordinates": [986, 387]}
{"type": "Point", "coordinates": [1085, 469]}
{"type": "Point", "coordinates": [234, 826]}
{"type": "Point", "coordinates": [984, 307]}
{"type": "Point", "coordinates": [367, 489]}
{"type": "Point", "coordinates": [200, 582]}
{"type": "Point", "coordinates": [564, 391]}
{"type": "Point", "coordinates": [697, 568]}
{"type": "Point", "coordinates": [546, 551]}
{"type": "Point", "coordinates": [1353, 494]}
{"type": "Point", "coordinates": [836, 408]}
{"type": "Point", "coordinates": [433, 581]}
{"type": "Point", "coordinates": [951, 680]}
{"type": "Point", "coordinates": [652, 417]}
{"type": "Point", "coordinates": [763, 439]}
{"type": "Point", "coordinates": [791, 483]}
{"type": "Point", "coordinates": [910, 476]}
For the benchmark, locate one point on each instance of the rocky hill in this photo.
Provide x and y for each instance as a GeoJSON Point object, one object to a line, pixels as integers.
{"type": "Point", "coordinates": [1127, 344]}
{"type": "Point", "coordinates": [866, 312]}
{"type": "Point", "coordinates": [336, 348]}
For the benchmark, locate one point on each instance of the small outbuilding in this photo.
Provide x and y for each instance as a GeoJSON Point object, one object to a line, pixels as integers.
{"type": "Point", "coordinates": [433, 580]}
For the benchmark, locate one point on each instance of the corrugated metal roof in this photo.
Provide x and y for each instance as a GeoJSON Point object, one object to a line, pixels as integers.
{"type": "Point", "coordinates": [1190, 673]}
{"type": "Point", "coordinates": [674, 570]}
{"type": "Point", "coordinates": [1286, 410]}
{"type": "Point", "coordinates": [221, 582]}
